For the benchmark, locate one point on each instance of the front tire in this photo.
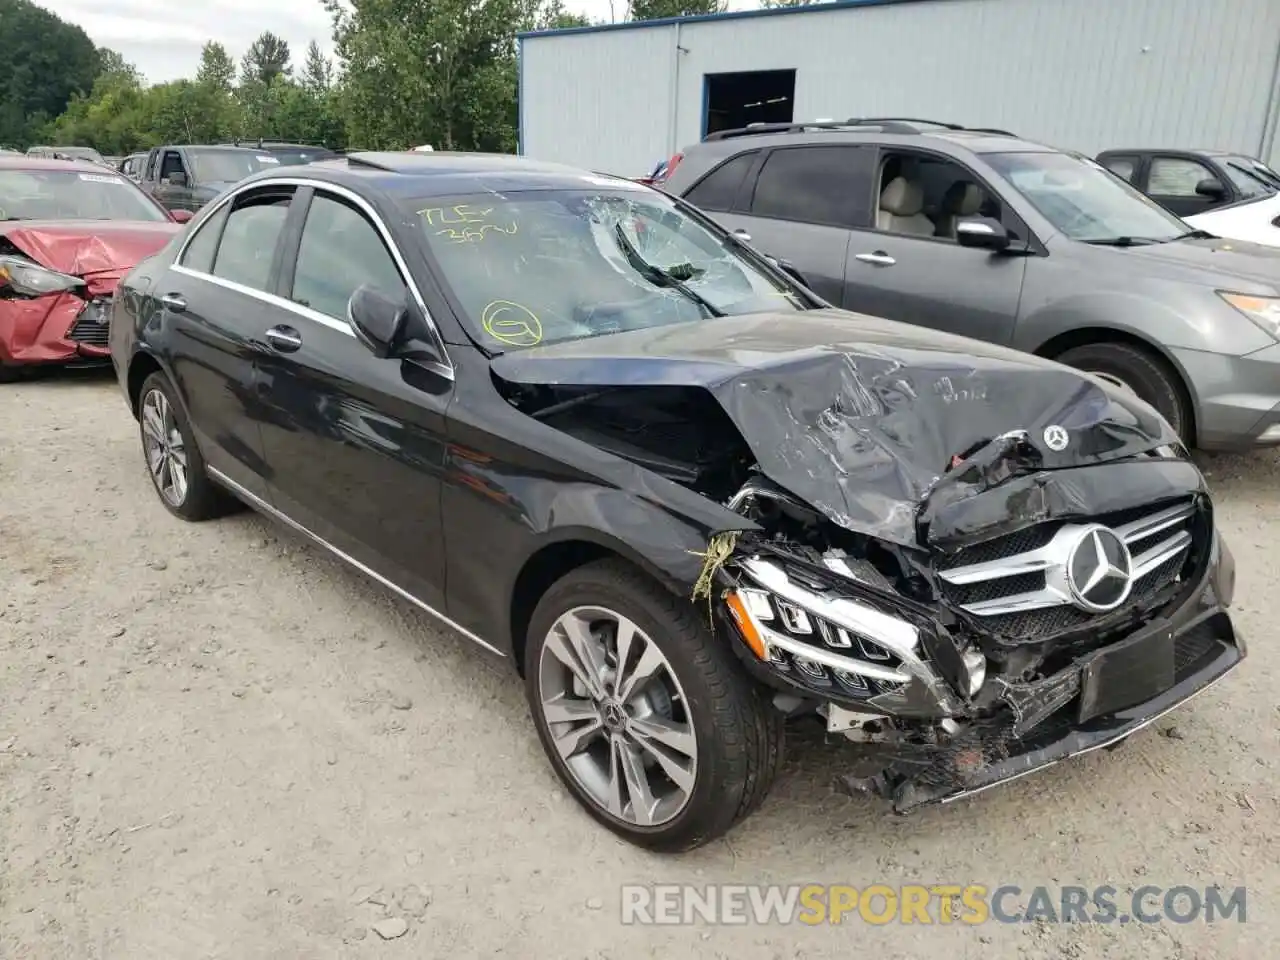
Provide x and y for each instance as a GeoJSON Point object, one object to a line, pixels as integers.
{"type": "Point", "coordinates": [1142, 372]}
{"type": "Point", "coordinates": [174, 462]}
{"type": "Point", "coordinates": [644, 713]}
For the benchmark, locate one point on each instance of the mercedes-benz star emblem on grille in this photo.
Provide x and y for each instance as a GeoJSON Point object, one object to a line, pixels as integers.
{"type": "Point", "coordinates": [1055, 438]}
{"type": "Point", "coordinates": [1099, 570]}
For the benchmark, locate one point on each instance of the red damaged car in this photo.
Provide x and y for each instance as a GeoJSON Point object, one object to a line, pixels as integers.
{"type": "Point", "coordinates": [68, 232]}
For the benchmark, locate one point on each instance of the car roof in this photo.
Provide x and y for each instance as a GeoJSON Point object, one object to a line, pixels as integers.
{"type": "Point", "coordinates": [442, 174]}
{"type": "Point", "coordinates": [23, 162]}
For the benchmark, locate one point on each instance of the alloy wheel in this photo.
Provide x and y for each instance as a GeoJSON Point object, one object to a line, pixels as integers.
{"type": "Point", "coordinates": [618, 716]}
{"type": "Point", "coordinates": [165, 449]}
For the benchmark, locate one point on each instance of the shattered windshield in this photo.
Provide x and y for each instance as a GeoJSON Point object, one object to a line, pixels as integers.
{"type": "Point", "coordinates": [535, 267]}
{"type": "Point", "coordinates": [71, 195]}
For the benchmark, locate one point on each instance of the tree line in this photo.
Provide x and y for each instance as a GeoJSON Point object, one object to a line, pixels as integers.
{"type": "Point", "coordinates": [407, 72]}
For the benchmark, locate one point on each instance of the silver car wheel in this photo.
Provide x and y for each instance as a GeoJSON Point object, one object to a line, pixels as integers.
{"type": "Point", "coordinates": [165, 449]}
{"type": "Point", "coordinates": [618, 716]}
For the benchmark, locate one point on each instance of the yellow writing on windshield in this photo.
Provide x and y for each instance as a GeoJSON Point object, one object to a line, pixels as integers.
{"type": "Point", "coordinates": [511, 323]}
{"type": "Point", "coordinates": [465, 223]}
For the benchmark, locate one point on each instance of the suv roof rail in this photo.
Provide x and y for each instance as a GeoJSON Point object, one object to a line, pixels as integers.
{"type": "Point", "coordinates": [264, 142]}
{"type": "Point", "coordinates": [885, 124]}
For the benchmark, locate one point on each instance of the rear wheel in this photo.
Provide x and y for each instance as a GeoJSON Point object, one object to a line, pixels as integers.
{"type": "Point", "coordinates": [644, 713]}
{"type": "Point", "coordinates": [177, 470]}
{"type": "Point", "coordinates": [1139, 371]}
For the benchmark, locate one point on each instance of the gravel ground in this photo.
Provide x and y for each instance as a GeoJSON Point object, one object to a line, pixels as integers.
{"type": "Point", "coordinates": [215, 741]}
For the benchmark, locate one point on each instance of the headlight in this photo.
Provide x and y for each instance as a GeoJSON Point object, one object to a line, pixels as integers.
{"type": "Point", "coordinates": [32, 280]}
{"type": "Point", "coordinates": [1264, 311]}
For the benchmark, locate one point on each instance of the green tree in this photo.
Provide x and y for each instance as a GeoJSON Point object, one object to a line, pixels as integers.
{"type": "Point", "coordinates": [554, 16]}
{"type": "Point", "coordinates": [660, 9]}
{"type": "Point", "coordinates": [44, 62]}
{"type": "Point", "coordinates": [441, 73]}
{"type": "Point", "coordinates": [266, 59]}
{"type": "Point", "coordinates": [317, 71]}
{"type": "Point", "coordinates": [217, 70]}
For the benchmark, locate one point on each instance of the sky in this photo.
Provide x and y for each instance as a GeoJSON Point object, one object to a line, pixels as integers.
{"type": "Point", "coordinates": [162, 38]}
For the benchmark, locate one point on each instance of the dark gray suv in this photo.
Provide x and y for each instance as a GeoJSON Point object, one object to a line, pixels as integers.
{"type": "Point", "coordinates": [981, 233]}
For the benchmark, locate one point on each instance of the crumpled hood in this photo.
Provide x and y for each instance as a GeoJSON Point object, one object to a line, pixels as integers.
{"type": "Point", "coordinates": [861, 417]}
{"type": "Point", "coordinates": [83, 247]}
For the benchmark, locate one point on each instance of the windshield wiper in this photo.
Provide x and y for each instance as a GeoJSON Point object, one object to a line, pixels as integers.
{"type": "Point", "coordinates": [1196, 235]}
{"type": "Point", "coordinates": [1124, 241]}
{"type": "Point", "coordinates": [664, 278]}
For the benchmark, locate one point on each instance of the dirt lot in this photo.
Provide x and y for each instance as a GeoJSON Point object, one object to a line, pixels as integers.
{"type": "Point", "coordinates": [217, 742]}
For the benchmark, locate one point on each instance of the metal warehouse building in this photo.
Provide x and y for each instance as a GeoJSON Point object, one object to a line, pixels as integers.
{"type": "Point", "coordinates": [1082, 74]}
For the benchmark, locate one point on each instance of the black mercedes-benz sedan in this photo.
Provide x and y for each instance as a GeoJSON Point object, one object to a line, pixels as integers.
{"type": "Point", "coordinates": [693, 504]}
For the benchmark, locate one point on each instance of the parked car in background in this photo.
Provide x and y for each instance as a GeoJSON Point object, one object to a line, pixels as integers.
{"type": "Point", "coordinates": [67, 153]}
{"type": "Point", "coordinates": [186, 177]}
{"type": "Point", "coordinates": [68, 231]}
{"type": "Point", "coordinates": [132, 166]}
{"type": "Point", "coordinates": [982, 233]}
{"type": "Point", "coordinates": [290, 154]}
{"type": "Point", "coordinates": [1187, 182]}
{"type": "Point", "coordinates": [575, 420]}
{"type": "Point", "coordinates": [1253, 221]}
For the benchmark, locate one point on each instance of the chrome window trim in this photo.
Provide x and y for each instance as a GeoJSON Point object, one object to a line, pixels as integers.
{"type": "Point", "coordinates": [444, 368]}
{"type": "Point", "coordinates": [261, 505]}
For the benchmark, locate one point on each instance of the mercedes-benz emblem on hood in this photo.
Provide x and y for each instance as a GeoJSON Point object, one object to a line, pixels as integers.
{"type": "Point", "coordinates": [1099, 570]}
{"type": "Point", "coordinates": [1056, 438]}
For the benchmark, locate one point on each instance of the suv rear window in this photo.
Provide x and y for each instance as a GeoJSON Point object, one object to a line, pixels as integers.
{"type": "Point", "coordinates": [824, 185]}
{"type": "Point", "coordinates": [717, 190]}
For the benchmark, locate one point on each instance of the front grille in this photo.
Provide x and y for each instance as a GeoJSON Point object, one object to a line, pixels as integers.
{"type": "Point", "coordinates": [91, 326]}
{"type": "Point", "coordinates": [1016, 584]}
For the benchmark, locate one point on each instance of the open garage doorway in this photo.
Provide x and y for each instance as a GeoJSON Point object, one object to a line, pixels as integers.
{"type": "Point", "coordinates": [731, 100]}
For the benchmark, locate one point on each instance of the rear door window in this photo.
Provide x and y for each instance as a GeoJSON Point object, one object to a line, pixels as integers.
{"type": "Point", "coordinates": [249, 240]}
{"type": "Point", "coordinates": [829, 185]}
{"type": "Point", "coordinates": [718, 189]}
{"type": "Point", "coordinates": [1126, 168]}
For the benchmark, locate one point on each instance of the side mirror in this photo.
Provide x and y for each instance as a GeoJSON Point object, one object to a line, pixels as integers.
{"type": "Point", "coordinates": [1212, 188]}
{"type": "Point", "coordinates": [181, 216]}
{"type": "Point", "coordinates": [984, 233]}
{"type": "Point", "coordinates": [378, 320]}
{"type": "Point", "coordinates": [176, 179]}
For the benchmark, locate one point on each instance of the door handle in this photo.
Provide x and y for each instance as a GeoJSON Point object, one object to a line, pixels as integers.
{"type": "Point", "coordinates": [879, 258]}
{"type": "Point", "coordinates": [174, 301]}
{"type": "Point", "coordinates": [284, 339]}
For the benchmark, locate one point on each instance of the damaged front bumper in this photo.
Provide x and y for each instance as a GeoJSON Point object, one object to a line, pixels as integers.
{"type": "Point", "coordinates": [933, 719]}
{"type": "Point", "coordinates": [59, 328]}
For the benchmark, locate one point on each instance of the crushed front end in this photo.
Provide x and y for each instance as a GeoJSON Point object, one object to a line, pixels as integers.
{"type": "Point", "coordinates": [47, 316]}
{"type": "Point", "coordinates": [1038, 618]}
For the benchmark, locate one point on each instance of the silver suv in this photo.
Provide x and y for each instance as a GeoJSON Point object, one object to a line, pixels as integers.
{"type": "Point", "coordinates": [981, 233]}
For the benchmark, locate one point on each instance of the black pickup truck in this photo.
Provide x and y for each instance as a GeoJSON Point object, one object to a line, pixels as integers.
{"type": "Point", "coordinates": [187, 177]}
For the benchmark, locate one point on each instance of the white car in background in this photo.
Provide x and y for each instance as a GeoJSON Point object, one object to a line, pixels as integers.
{"type": "Point", "coordinates": [1257, 221]}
